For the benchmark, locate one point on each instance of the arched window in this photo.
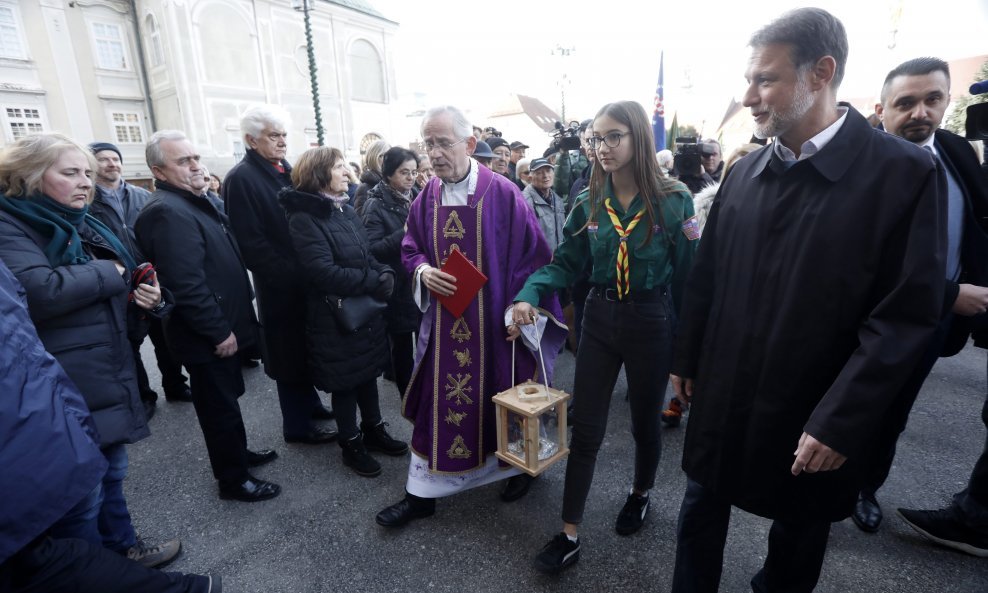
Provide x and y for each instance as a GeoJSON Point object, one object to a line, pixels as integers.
{"type": "Point", "coordinates": [227, 46]}
{"type": "Point", "coordinates": [366, 73]}
{"type": "Point", "coordinates": [156, 54]}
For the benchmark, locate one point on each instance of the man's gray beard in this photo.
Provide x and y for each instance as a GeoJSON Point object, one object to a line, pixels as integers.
{"type": "Point", "coordinates": [780, 123]}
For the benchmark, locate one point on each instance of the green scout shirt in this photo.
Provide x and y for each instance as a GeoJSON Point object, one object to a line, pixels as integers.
{"type": "Point", "coordinates": [655, 264]}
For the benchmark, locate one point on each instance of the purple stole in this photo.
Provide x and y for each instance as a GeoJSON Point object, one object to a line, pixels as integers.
{"type": "Point", "coordinates": [460, 356]}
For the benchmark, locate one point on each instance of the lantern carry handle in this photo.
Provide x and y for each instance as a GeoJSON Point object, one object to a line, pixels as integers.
{"type": "Point", "coordinates": [538, 343]}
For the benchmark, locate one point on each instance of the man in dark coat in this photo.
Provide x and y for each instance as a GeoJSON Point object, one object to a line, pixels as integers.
{"type": "Point", "coordinates": [183, 234]}
{"type": "Point", "coordinates": [250, 193]}
{"type": "Point", "coordinates": [51, 461]}
{"type": "Point", "coordinates": [817, 286]}
{"type": "Point", "coordinates": [116, 204]}
{"type": "Point", "coordinates": [914, 98]}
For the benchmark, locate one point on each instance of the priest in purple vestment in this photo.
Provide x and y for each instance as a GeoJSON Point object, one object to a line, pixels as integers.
{"type": "Point", "coordinates": [461, 362]}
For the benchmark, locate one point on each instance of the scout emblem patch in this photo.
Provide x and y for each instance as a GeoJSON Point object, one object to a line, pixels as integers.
{"type": "Point", "coordinates": [691, 228]}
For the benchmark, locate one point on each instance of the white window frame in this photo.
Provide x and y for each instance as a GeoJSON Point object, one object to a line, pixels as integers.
{"type": "Point", "coordinates": [354, 72]}
{"type": "Point", "coordinates": [126, 122]}
{"type": "Point", "coordinates": [122, 40]}
{"type": "Point", "coordinates": [22, 120]}
{"type": "Point", "coordinates": [156, 49]}
{"type": "Point", "coordinates": [18, 26]}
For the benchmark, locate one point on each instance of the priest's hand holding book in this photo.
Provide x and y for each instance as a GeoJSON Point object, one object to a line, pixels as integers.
{"type": "Point", "coordinates": [438, 281]}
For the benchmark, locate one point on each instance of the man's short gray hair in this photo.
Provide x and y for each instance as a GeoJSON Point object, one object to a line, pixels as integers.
{"type": "Point", "coordinates": [461, 126]}
{"type": "Point", "coordinates": [152, 153]}
{"type": "Point", "coordinates": [255, 119]}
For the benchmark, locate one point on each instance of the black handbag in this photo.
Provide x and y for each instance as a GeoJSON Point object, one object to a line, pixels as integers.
{"type": "Point", "coordinates": [354, 312]}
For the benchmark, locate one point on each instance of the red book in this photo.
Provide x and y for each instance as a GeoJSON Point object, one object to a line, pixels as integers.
{"type": "Point", "coordinates": [469, 281]}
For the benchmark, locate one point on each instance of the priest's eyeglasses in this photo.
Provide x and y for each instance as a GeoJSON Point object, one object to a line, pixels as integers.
{"type": "Point", "coordinates": [611, 140]}
{"type": "Point", "coordinates": [443, 145]}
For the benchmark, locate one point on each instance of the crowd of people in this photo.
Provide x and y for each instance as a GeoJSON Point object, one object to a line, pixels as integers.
{"type": "Point", "coordinates": [728, 286]}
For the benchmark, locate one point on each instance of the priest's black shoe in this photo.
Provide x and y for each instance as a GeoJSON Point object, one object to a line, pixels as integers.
{"type": "Point", "coordinates": [323, 413]}
{"type": "Point", "coordinates": [256, 458]}
{"type": "Point", "coordinates": [316, 436]}
{"type": "Point", "coordinates": [867, 514]}
{"type": "Point", "coordinates": [251, 490]}
{"type": "Point", "coordinates": [516, 487]}
{"type": "Point", "coordinates": [408, 508]}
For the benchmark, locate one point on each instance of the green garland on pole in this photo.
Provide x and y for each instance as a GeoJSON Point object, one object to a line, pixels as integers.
{"type": "Point", "coordinates": [312, 74]}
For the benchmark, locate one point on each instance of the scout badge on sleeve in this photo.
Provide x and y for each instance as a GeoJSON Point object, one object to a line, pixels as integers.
{"type": "Point", "coordinates": [691, 228]}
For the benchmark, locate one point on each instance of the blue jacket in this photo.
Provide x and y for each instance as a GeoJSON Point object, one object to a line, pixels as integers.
{"type": "Point", "coordinates": [48, 452]}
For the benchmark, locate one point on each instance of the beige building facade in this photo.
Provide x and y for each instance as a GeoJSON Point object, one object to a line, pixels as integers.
{"type": "Point", "coordinates": [117, 70]}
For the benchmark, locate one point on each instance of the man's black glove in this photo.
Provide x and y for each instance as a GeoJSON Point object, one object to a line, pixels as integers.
{"type": "Point", "coordinates": [385, 286]}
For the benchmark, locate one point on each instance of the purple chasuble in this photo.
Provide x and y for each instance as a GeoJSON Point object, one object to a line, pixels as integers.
{"type": "Point", "coordinates": [460, 363]}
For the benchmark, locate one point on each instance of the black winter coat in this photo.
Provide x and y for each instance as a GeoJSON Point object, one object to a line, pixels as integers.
{"type": "Point", "coordinates": [335, 257]}
{"type": "Point", "coordinates": [385, 215]}
{"type": "Point", "coordinates": [250, 193]}
{"type": "Point", "coordinates": [815, 291]}
{"type": "Point", "coordinates": [189, 242]}
{"type": "Point", "coordinates": [368, 181]}
{"type": "Point", "coordinates": [81, 313]}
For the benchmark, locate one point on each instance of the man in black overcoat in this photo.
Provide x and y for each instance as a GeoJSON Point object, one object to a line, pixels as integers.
{"type": "Point", "coordinates": [187, 239]}
{"type": "Point", "coordinates": [250, 192]}
{"type": "Point", "coordinates": [816, 288]}
{"type": "Point", "coordinates": [914, 98]}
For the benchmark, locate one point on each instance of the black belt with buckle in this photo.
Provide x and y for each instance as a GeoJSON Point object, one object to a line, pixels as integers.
{"type": "Point", "coordinates": [652, 295]}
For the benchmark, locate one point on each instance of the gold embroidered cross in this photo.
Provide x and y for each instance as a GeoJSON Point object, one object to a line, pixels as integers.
{"type": "Point", "coordinates": [458, 388]}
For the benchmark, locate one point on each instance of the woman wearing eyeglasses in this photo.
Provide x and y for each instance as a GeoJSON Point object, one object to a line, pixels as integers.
{"type": "Point", "coordinates": [635, 231]}
{"type": "Point", "coordinates": [385, 215]}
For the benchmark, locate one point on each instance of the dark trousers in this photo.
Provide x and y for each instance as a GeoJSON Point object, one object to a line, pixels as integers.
{"type": "Point", "coordinates": [402, 359]}
{"type": "Point", "coordinates": [298, 401]}
{"type": "Point", "coordinates": [972, 502]}
{"type": "Point", "coordinates": [172, 379]}
{"type": "Point", "coordinates": [894, 423]}
{"type": "Point", "coordinates": [639, 336]}
{"type": "Point", "coordinates": [148, 395]}
{"type": "Point", "coordinates": [796, 548]}
{"type": "Point", "coordinates": [70, 565]}
{"type": "Point", "coordinates": [347, 401]}
{"type": "Point", "coordinates": [215, 388]}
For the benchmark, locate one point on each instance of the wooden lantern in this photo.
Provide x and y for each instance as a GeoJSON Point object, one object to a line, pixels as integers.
{"type": "Point", "coordinates": [531, 426]}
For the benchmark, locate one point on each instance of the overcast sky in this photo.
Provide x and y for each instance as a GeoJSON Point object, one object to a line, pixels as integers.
{"type": "Point", "coordinates": [474, 54]}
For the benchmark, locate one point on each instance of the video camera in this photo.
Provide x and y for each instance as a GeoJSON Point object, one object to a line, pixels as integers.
{"type": "Point", "coordinates": [565, 138]}
{"type": "Point", "coordinates": [977, 115]}
{"type": "Point", "coordinates": [686, 161]}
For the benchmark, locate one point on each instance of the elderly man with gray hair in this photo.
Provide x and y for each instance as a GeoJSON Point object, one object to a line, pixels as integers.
{"type": "Point", "coordinates": [250, 193]}
{"type": "Point", "coordinates": [186, 237]}
{"type": "Point", "coordinates": [463, 360]}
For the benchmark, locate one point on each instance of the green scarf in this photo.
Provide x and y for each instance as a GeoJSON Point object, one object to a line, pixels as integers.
{"type": "Point", "coordinates": [60, 225]}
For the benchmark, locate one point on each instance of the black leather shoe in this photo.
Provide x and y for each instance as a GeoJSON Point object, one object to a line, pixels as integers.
{"type": "Point", "coordinates": [867, 514]}
{"type": "Point", "coordinates": [256, 458]}
{"type": "Point", "coordinates": [323, 413]}
{"type": "Point", "coordinates": [406, 509]}
{"type": "Point", "coordinates": [250, 363]}
{"type": "Point", "coordinates": [252, 490]}
{"type": "Point", "coordinates": [316, 436]}
{"type": "Point", "coordinates": [516, 487]}
{"type": "Point", "coordinates": [179, 395]}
